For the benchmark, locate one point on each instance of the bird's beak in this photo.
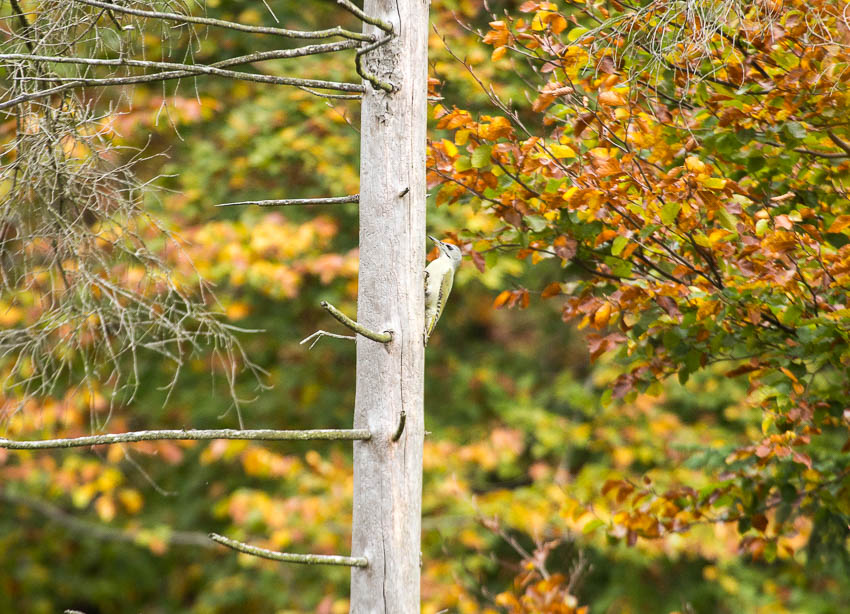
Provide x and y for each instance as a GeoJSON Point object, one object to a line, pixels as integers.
{"type": "Point", "coordinates": [434, 240]}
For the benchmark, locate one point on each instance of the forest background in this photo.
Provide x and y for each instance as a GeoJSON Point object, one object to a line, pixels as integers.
{"type": "Point", "coordinates": [636, 399]}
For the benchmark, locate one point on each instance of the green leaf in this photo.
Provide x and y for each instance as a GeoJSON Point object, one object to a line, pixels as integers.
{"type": "Point", "coordinates": [575, 33]}
{"type": "Point", "coordinates": [463, 164]}
{"type": "Point", "coordinates": [591, 526]}
{"type": "Point", "coordinates": [670, 212]}
{"type": "Point", "coordinates": [537, 223]}
{"type": "Point", "coordinates": [726, 220]}
{"type": "Point", "coordinates": [481, 156]}
{"type": "Point", "coordinates": [619, 245]}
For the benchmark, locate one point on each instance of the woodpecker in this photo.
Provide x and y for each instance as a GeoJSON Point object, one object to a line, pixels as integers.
{"type": "Point", "coordinates": [439, 276]}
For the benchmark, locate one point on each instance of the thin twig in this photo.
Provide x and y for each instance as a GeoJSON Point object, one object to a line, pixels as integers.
{"type": "Point", "coordinates": [231, 25]}
{"type": "Point", "coordinates": [288, 202]}
{"type": "Point", "coordinates": [287, 557]}
{"type": "Point", "coordinates": [323, 333]}
{"type": "Point", "coordinates": [374, 21]}
{"type": "Point", "coordinates": [189, 434]}
{"type": "Point", "coordinates": [384, 337]}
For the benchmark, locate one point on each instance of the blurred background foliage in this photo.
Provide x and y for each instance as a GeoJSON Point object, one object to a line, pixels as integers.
{"type": "Point", "coordinates": [524, 463]}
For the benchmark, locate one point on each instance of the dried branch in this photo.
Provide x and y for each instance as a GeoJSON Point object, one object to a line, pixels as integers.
{"type": "Point", "coordinates": [374, 21]}
{"type": "Point", "coordinates": [190, 434]}
{"type": "Point", "coordinates": [323, 333]}
{"type": "Point", "coordinates": [96, 530]}
{"type": "Point", "coordinates": [384, 337]}
{"type": "Point", "coordinates": [402, 419]}
{"type": "Point", "coordinates": [286, 557]}
{"type": "Point", "coordinates": [180, 71]}
{"type": "Point", "coordinates": [231, 25]}
{"type": "Point", "coordinates": [358, 65]}
{"type": "Point", "coordinates": [334, 200]}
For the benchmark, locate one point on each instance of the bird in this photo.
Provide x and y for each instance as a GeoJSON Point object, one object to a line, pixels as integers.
{"type": "Point", "coordinates": [439, 276]}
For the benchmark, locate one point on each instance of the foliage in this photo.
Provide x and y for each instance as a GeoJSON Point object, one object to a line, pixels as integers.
{"type": "Point", "coordinates": [686, 171]}
{"type": "Point", "coordinates": [551, 484]}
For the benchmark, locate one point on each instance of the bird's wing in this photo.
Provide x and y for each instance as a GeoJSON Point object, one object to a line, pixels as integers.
{"type": "Point", "coordinates": [442, 296]}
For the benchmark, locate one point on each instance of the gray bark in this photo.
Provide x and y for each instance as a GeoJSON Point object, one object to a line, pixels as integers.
{"type": "Point", "coordinates": [388, 473]}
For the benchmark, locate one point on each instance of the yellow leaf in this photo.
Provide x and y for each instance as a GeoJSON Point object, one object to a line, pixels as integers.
{"type": "Point", "coordinates": [130, 499]}
{"type": "Point", "coordinates": [105, 508]}
{"type": "Point", "coordinates": [562, 151]}
{"type": "Point", "coordinates": [450, 148]}
{"type": "Point", "coordinates": [498, 53]}
{"type": "Point", "coordinates": [694, 164]}
{"type": "Point", "coordinates": [713, 183]}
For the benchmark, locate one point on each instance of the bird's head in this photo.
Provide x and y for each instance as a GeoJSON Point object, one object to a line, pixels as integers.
{"type": "Point", "coordinates": [449, 250]}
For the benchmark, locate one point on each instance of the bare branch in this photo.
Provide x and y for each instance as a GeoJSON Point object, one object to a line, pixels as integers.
{"type": "Point", "coordinates": [358, 65]}
{"type": "Point", "coordinates": [261, 56]}
{"type": "Point", "coordinates": [384, 337]}
{"type": "Point", "coordinates": [355, 10]}
{"type": "Point", "coordinates": [286, 557]}
{"type": "Point", "coordinates": [323, 333]}
{"type": "Point", "coordinates": [231, 25]}
{"type": "Point", "coordinates": [190, 434]}
{"type": "Point", "coordinates": [99, 531]}
{"type": "Point", "coordinates": [288, 202]}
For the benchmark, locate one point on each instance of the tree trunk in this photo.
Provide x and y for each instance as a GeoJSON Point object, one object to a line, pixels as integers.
{"type": "Point", "coordinates": [387, 473]}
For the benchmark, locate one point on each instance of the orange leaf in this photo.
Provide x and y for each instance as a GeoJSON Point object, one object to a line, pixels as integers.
{"type": "Point", "coordinates": [611, 98]}
{"type": "Point", "coordinates": [602, 315]}
{"type": "Point", "coordinates": [553, 289]}
{"type": "Point", "coordinates": [502, 298]}
{"type": "Point", "coordinates": [840, 223]}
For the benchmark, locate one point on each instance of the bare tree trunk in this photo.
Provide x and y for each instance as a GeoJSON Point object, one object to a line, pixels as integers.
{"type": "Point", "coordinates": [387, 473]}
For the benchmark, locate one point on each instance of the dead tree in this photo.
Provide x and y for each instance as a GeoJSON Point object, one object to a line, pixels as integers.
{"type": "Point", "coordinates": [390, 55]}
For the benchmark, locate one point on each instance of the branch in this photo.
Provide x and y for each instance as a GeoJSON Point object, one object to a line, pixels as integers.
{"type": "Point", "coordinates": [287, 557]}
{"type": "Point", "coordinates": [96, 530]}
{"type": "Point", "coordinates": [358, 65]}
{"type": "Point", "coordinates": [190, 434]}
{"type": "Point", "coordinates": [374, 21]}
{"type": "Point", "coordinates": [231, 25]}
{"type": "Point", "coordinates": [288, 202]}
{"type": "Point", "coordinates": [384, 337]}
{"type": "Point", "coordinates": [834, 138]}
{"type": "Point", "coordinates": [189, 70]}
{"type": "Point", "coordinates": [260, 56]}
{"type": "Point", "coordinates": [323, 333]}
{"type": "Point", "coordinates": [400, 428]}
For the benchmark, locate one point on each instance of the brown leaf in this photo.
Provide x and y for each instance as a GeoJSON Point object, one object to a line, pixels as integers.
{"type": "Point", "coordinates": [582, 123]}
{"type": "Point", "coordinates": [565, 247]}
{"type": "Point", "coordinates": [478, 261]}
{"type": "Point", "coordinates": [606, 65]}
{"type": "Point", "coordinates": [759, 522]}
{"type": "Point", "coordinates": [553, 289]}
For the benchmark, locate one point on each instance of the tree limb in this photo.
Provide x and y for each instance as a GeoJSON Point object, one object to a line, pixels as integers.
{"type": "Point", "coordinates": [96, 530]}
{"type": "Point", "coordinates": [288, 202]}
{"type": "Point", "coordinates": [287, 557]}
{"type": "Point", "coordinates": [190, 434]}
{"type": "Point", "coordinates": [384, 337]}
{"type": "Point", "coordinates": [231, 25]}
